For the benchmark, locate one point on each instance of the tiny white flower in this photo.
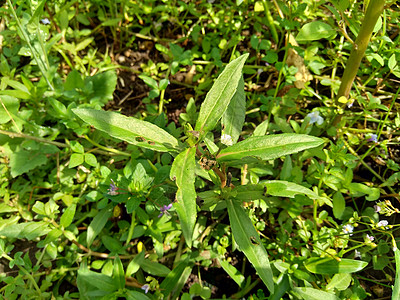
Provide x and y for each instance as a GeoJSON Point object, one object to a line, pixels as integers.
{"type": "Point", "coordinates": [315, 117]}
{"type": "Point", "coordinates": [226, 139]}
{"type": "Point", "coordinates": [382, 223]}
{"type": "Point", "coordinates": [357, 254]}
{"type": "Point", "coordinates": [377, 208]}
{"type": "Point", "coordinates": [370, 237]}
{"type": "Point", "coordinates": [145, 288]}
{"type": "Point", "coordinates": [348, 229]}
{"type": "Point", "coordinates": [45, 21]}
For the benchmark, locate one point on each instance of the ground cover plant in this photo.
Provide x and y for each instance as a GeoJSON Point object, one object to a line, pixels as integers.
{"type": "Point", "coordinates": [206, 150]}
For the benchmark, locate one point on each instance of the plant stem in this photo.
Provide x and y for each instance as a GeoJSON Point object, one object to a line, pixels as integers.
{"type": "Point", "coordinates": [374, 10]}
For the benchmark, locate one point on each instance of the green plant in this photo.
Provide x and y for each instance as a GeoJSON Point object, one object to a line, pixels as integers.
{"type": "Point", "coordinates": [224, 101]}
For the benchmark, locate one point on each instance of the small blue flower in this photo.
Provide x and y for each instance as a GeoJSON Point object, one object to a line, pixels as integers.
{"type": "Point", "coordinates": [45, 21]}
{"type": "Point", "coordinates": [112, 190]}
{"type": "Point", "coordinates": [350, 103]}
{"type": "Point", "coordinates": [370, 237]}
{"type": "Point", "coordinates": [373, 138]}
{"type": "Point", "coordinates": [357, 254]}
{"type": "Point", "coordinates": [315, 118]}
{"type": "Point", "coordinates": [164, 210]}
{"type": "Point", "coordinates": [145, 288]}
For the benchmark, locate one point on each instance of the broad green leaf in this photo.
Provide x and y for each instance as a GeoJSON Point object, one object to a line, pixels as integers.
{"type": "Point", "coordinates": [74, 81]}
{"type": "Point", "coordinates": [34, 229]}
{"type": "Point", "coordinates": [112, 244]}
{"type": "Point", "coordinates": [339, 282]}
{"type": "Point", "coordinates": [269, 147]}
{"type": "Point", "coordinates": [89, 281]}
{"type": "Point", "coordinates": [220, 95]}
{"type": "Point", "coordinates": [180, 283]}
{"type": "Point", "coordinates": [249, 242]}
{"type": "Point", "coordinates": [328, 265]}
{"type": "Point", "coordinates": [68, 216]}
{"type": "Point", "coordinates": [358, 189]}
{"type": "Point", "coordinates": [315, 31]}
{"type": "Point", "coordinates": [111, 22]}
{"type": "Point", "coordinates": [149, 81]}
{"type": "Point", "coordinates": [50, 237]}
{"type": "Point", "coordinates": [233, 118]}
{"type": "Point", "coordinates": [339, 204]}
{"type": "Point", "coordinates": [15, 93]}
{"type": "Point", "coordinates": [22, 161]}
{"type": "Point", "coordinates": [283, 188]}
{"type": "Point", "coordinates": [154, 268]}
{"type": "Point", "coordinates": [12, 106]}
{"type": "Point", "coordinates": [76, 160]}
{"type": "Point", "coordinates": [392, 63]}
{"type": "Point", "coordinates": [183, 171]}
{"type": "Point", "coordinates": [308, 293]}
{"type": "Point", "coordinates": [134, 131]}
{"type": "Point", "coordinates": [232, 271]}
{"type": "Point", "coordinates": [134, 295]}
{"type": "Point", "coordinates": [90, 159]}
{"type": "Point", "coordinates": [261, 128]}
{"type": "Point", "coordinates": [118, 273]}
{"type": "Point", "coordinates": [97, 225]}
{"type": "Point", "coordinates": [396, 288]}
{"type": "Point", "coordinates": [134, 264]}
{"type": "Point", "coordinates": [169, 283]}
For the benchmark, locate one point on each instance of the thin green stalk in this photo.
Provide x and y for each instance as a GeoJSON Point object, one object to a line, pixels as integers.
{"type": "Point", "coordinates": [30, 277]}
{"type": "Point", "coordinates": [374, 10]}
{"type": "Point", "coordinates": [39, 62]}
{"type": "Point", "coordinates": [131, 228]}
{"type": "Point", "coordinates": [108, 151]}
{"type": "Point", "coordinates": [161, 105]}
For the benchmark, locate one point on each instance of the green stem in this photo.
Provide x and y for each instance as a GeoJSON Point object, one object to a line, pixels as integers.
{"type": "Point", "coordinates": [374, 10]}
{"type": "Point", "coordinates": [39, 61]}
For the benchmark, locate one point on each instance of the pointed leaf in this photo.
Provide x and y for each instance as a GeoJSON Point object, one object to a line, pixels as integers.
{"type": "Point", "coordinates": [232, 271]}
{"type": "Point", "coordinates": [339, 282]}
{"type": "Point", "coordinates": [154, 268]}
{"type": "Point", "coordinates": [328, 265]}
{"type": "Point", "coordinates": [183, 171]}
{"type": "Point", "coordinates": [233, 118]}
{"type": "Point", "coordinates": [220, 95]}
{"type": "Point", "coordinates": [68, 216]}
{"type": "Point", "coordinates": [269, 146]}
{"type": "Point", "coordinates": [315, 31]}
{"type": "Point", "coordinates": [97, 225]}
{"type": "Point", "coordinates": [118, 273]}
{"type": "Point", "coordinates": [169, 283]}
{"type": "Point", "coordinates": [308, 293]}
{"type": "Point", "coordinates": [396, 288]}
{"type": "Point", "coordinates": [249, 242]}
{"type": "Point", "coordinates": [129, 129]}
{"type": "Point", "coordinates": [283, 188]}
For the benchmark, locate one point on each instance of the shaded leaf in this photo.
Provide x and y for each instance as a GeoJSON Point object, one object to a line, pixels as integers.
{"type": "Point", "coordinates": [129, 129]}
{"type": "Point", "coordinates": [97, 224]}
{"type": "Point", "coordinates": [68, 215]}
{"type": "Point", "coordinates": [249, 242]}
{"type": "Point", "coordinates": [328, 265]}
{"type": "Point", "coordinates": [183, 172]}
{"type": "Point", "coordinates": [269, 146]}
{"type": "Point", "coordinates": [339, 282]}
{"type": "Point", "coordinates": [308, 293]}
{"type": "Point", "coordinates": [220, 95]}
{"type": "Point", "coordinates": [315, 31]}
{"type": "Point", "coordinates": [233, 118]}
